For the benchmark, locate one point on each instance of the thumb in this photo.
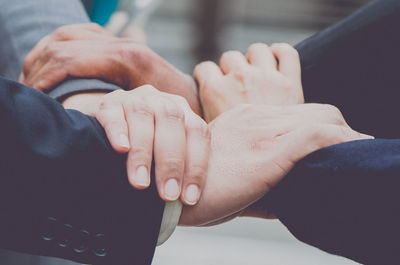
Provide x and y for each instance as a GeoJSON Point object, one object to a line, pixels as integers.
{"type": "Point", "coordinates": [304, 141]}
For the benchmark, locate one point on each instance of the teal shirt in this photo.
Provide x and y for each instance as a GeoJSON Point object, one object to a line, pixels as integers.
{"type": "Point", "coordinates": [102, 11]}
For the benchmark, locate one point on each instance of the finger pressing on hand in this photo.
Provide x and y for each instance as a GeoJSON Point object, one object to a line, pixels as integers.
{"type": "Point", "coordinates": [140, 119]}
{"type": "Point", "coordinates": [169, 148]}
{"type": "Point", "coordinates": [289, 60]}
{"type": "Point", "coordinates": [233, 61]}
{"type": "Point", "coordinates": [260, 55]}
{"type": "Point", "coordinates": [197, 155]}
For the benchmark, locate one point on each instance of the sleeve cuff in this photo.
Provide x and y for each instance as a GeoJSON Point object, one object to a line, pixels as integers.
{"type": "Point", "coordinates": [171, 216]}
{"type": "Point", "coordinates": [74, 86]}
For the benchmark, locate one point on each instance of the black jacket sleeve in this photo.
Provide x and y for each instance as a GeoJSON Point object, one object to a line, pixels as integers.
{"type": "Point", "coordinates": [345, 200]}
{"type": "Point", "coordinates": [63, 191]}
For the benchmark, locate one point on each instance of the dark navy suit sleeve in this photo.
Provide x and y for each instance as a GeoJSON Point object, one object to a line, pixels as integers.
{"type": "Point", "coordinates": [63, 191]}
{"type": "Point", "coordinates": [345, 200]}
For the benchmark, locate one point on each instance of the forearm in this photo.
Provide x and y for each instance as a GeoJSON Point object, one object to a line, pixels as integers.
{"type": "Point", "coordinates": [343, 199]}
{"type": "Point", "coordinates": [48, 155]}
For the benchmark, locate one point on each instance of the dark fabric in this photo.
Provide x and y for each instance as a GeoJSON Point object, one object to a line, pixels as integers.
{"type": "Point", "coordinates": [355, 66]}
{"type": "Point", "coordinates": [345, 199]}
{"type": "Point", "coordinates": [63, 191]}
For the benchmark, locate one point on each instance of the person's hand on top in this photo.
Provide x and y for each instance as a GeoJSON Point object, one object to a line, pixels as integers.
{"type": "Point", "coordinates": [90, 51]}
{"type": "Point", "coordinates": [146, 123]}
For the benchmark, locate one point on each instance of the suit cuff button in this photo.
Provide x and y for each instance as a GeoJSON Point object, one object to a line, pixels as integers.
{"type": "Point", "coordinates": [98, 247]}
{"type": "Point", "coordinates": [66, 236]}
{"type": "Point", "coordinates": [82, 245]}
{"type": "Point", "coordinates": [49, 228]}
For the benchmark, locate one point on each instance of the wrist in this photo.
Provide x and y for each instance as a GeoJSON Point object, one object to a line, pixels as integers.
{"type": "Point", "coordinates": [86, 103]}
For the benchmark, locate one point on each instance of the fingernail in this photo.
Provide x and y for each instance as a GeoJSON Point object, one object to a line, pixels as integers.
{"type": "Point", "coordinates": [142, 177]}
{"type": "Point", "coordinates": [171, 190]}
{"type": "Point", "coordinates": [192, 194]}
{"type": "Point", "coordinates": [366, 136]}
{"type": "Point", "coordinates": [123, 141]}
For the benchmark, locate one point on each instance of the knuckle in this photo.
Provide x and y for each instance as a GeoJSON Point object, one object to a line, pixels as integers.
{"type": "Point", "coordinates": [170, 109]}
{"type": "Point", "coordinates": [51, 49]}
{"type": "Point", "coordinates": [285, 48]}
{"type": "Point", "coordinates": [141, 154]}
{"type": "Point", "coordinates": [258, 46]}
{"type": "Point", "coordinates": [196, 124]}
{"type": "Point", "coordinates": [173, 167]}
{"type": "Point", "coordinates": [196, 174]}
{"type": "Point", "coordinates": [117, 94]}
{"type": "Point", "coordinates": [229, 54]}
{"type": "Point", "coordinates": [149, 87]}
{"type": "Point", "coordinates": [61, 33]}
{"type": "Point", "coordinates": [201, 68]}
{"type": "Point", "coordinates": [94, 27]}
{"type": "Point", "coordinates": [205, 64]}
{"type": "Point", "coordinates": [145, 89]}
{"type": "Point", "coordinates": [138, 105]}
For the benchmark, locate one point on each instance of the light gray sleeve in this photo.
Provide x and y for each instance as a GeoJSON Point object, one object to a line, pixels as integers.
{"type": "Point", "coordinates": [24, 22]}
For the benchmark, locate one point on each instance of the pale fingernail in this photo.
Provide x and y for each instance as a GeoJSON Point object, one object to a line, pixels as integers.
{"type": "Point", "coordinates": [123, 141]}
{"type": "Point", "coordinates": [366, 136]}
{"type": "Point", "coordinates": [192, 194]}
{"type": "Point", "coordinates": [142, 177]}
{"type": "Point", "coordinates": [171, 190]}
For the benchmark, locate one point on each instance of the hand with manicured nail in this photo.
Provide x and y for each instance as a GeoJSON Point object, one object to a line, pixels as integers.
{"type": "Point", "coordinates": [266, 75]}
{"type": "Point", "coordinates": [146, 122]}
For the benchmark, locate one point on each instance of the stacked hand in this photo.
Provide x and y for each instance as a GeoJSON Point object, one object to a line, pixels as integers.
{"type": "Point", "coordinates": [88, 50]}
{"type": "Point", "coordinates": [266, 75]}
{"type": "Point", "coordinates": [255, 140]}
